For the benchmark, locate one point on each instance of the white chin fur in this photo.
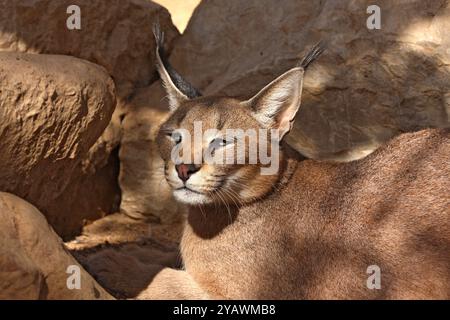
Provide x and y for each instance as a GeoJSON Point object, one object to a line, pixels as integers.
{"type": "Point", "coordinates": [190, 197]}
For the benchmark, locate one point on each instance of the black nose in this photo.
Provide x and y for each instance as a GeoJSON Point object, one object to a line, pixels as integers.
{"type": "Point", "coordinates": [186, 170]}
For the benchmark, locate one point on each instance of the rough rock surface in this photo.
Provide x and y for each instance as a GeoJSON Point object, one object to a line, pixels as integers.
{"type": "Point", "coordinates": [145, 191]}
{"type": "Point", "coordinates": [53, 108]}
{"type": "Point", "coordinates": [34, 260]}
{"type": "Point", "coordinates": [368, 86]}
{"type": "Point", "coordinates": [116, 34]}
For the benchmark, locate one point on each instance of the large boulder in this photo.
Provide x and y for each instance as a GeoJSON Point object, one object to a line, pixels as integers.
{"type": "Point", "coordinates": [116, 34]}
{"type": "Point", "coordinates": [34, 263]}
{"type": "Point", "coordinates": [53, 109]}
{"type": "Point", "coordinates": [368, 86]}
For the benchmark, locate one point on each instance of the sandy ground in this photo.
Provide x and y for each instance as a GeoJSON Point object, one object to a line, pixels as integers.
{"type": "Point", "coordinates": [124, 254]}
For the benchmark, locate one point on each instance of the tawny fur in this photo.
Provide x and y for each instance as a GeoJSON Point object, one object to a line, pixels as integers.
{"type": "Point", "coordinates": [314, 236]}
{"type": "Point", "coordinates": [311, 230]}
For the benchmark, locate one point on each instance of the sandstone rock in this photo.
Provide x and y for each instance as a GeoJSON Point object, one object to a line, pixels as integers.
{"type": "Point", "coordinates": [115, 34]}
{"type": "Point", "coordinates": [53, 108]}
{"type": "Point", "coordinates": [91, 193]}
{"type": "Point", "coordinates": [145, 192]}
{"type": "Point", "coordinates": [368, 86]}
{"type": "Point", "coordinates": [33, 259]}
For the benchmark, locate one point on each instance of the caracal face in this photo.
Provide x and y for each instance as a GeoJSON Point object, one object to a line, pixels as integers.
{"type": "Point", "coordinates": [212, 182]}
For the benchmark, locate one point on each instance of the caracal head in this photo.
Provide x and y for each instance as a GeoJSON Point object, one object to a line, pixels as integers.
{"type": "Point", "coordinates": [224, 150]}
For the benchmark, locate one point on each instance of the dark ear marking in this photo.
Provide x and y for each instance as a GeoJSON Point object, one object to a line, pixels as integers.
{"type": "Point", "coordinates": [182, 85]}
{"type": "Point", "coordinates": [313, 54]}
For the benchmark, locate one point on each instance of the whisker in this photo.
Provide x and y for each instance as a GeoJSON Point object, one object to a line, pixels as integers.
{"type": "Point", "coordinates": [233, 197]}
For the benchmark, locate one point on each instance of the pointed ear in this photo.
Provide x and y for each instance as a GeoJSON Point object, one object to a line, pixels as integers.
{"type": "Point", "coordinates": [276, 105]}
{"type": "Point", "coordinates": [178, 89]}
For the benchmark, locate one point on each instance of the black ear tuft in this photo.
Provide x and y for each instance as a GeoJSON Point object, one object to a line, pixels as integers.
{"type": "Point", "coordinates": [159, 37]}
{"type": "Point", "coordinates": [313, 54]}
{"type": "Point", "coordinates": [185, 87]}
